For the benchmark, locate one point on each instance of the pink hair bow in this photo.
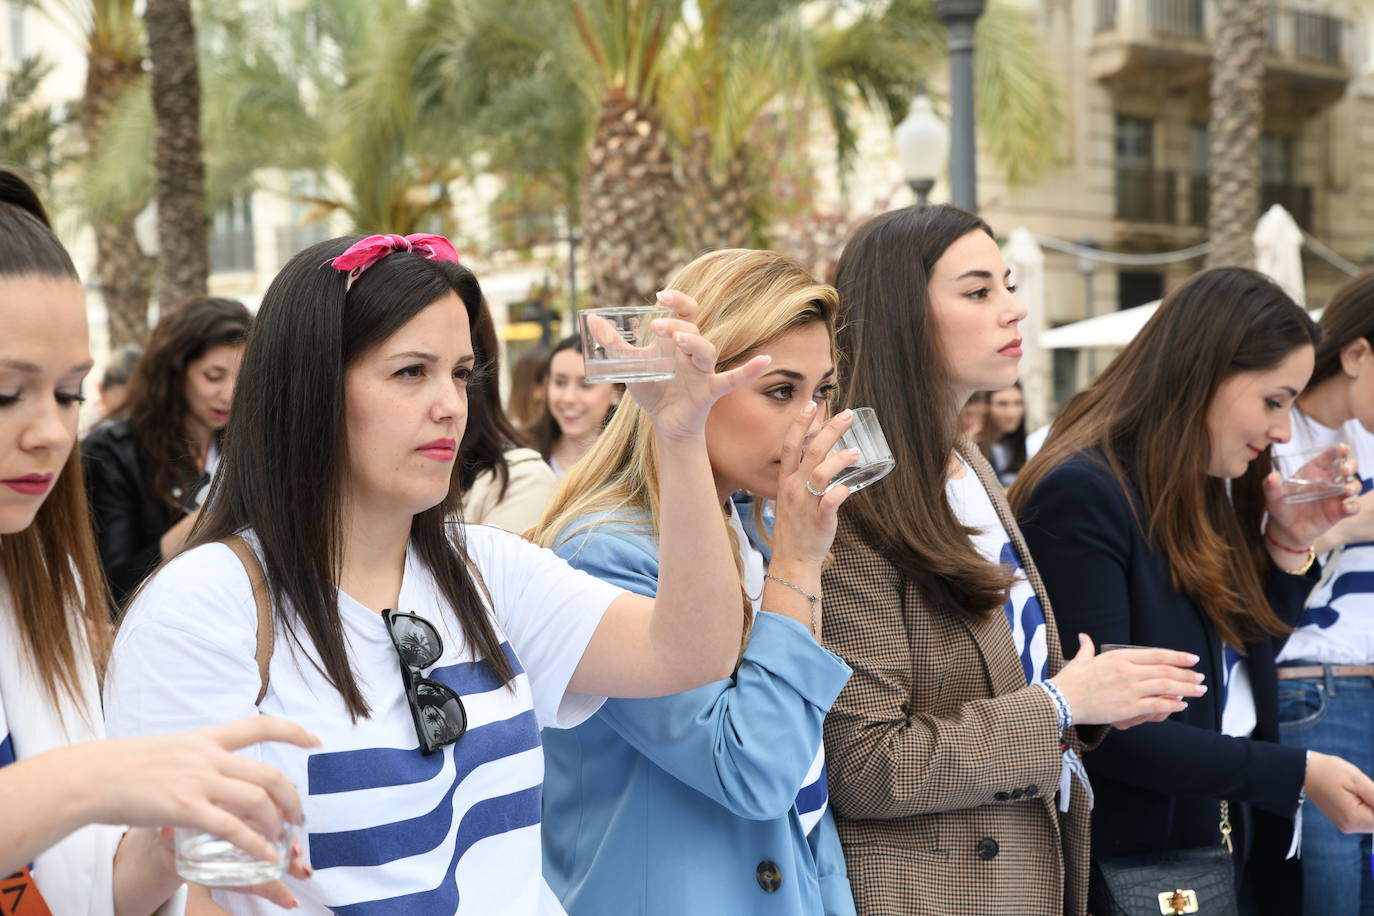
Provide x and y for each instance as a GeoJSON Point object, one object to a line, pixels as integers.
{"type": "Point", "coordinates": [363, 254]}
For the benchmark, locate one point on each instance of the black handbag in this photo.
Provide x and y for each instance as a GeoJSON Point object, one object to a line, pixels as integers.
{"type": "Point", "coordinates": [1167, 883]}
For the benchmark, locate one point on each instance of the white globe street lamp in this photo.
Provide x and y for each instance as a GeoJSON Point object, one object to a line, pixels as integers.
{"type": "Point", "coordinates": [922, 142]}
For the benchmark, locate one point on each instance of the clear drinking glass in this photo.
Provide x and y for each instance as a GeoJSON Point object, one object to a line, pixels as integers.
{"type": "Point", "coordinates": [1312, 475]}
{"type": "Point", "coordinates": [875, 456]}
{"type": "Point", "coordinates": [618, 344]}
{"type": "Point", "coordinates": [203, 858]}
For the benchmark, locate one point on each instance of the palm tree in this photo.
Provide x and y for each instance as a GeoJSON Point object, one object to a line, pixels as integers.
{"type": "Point", "coordinates": [1234, 126]}
{"type": "Point", "coordinates": [28, 130]}
{"type": "Point", "coordinates": [112, 36]}
{"type": "Point", "coordinates": [280, 92]}
{"type": "Point", "coordinates": [183, 264]}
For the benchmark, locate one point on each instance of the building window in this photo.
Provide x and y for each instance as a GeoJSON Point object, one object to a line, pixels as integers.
{"type": "Point", "coordinates": [1135, 143]}
{"type": "Point", "coordinates": [1276, 159]}
{"type": "Point", "coordinates": [231, 236]}
{"type": "Point", "coordinates": [1138, 287]}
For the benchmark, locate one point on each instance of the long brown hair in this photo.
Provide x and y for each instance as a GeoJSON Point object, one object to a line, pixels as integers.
{"type": "Point", "coordinates": [1347, 318]}
{"type": "Point", "coordinates": [284, 471]}
{"type": "Point", "coordinates": [893, 363]}
{"type": "Point", "coordinates": [51, 567]}
{"type": "Point", "coordinates": [157, 408]}
{"type": "Point", "coordinates": [1145, 419]}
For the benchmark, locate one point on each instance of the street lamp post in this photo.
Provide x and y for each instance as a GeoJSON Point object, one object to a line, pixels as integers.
{"type": "Point", "coordinates": [922, 142]}
{"type": "Point", "coordinates": [959, 16]}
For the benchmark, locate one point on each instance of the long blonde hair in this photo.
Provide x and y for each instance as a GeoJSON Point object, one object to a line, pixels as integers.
{"type": "Point", "coordinates": [747, 299]}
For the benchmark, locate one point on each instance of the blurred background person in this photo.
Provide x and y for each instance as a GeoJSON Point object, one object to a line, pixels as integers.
{"type": "Point", "coordinates": [1003, 441]}
{"type": "Point", "coordinates": [575, 410]}
{"type": "Point", "coordinates": [113, 386]}
{"type": "Point", "coordinates": [529, 376]}
{"type": "Point", "coordinates": [147, 468]}
{"type": "Point", "coordinates": [503, 481]}
{"type": "Point", "coordinates": [973, 416]}
{"type": "Point", "coordinates": [1326, 669]}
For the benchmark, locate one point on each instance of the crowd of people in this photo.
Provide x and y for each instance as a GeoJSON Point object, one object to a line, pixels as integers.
{"type": "Point", "coordinates": [605, 649]}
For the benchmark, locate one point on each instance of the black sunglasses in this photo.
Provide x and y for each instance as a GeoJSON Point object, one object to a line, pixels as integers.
{"type": "Point", "coordinates": [440, 718]}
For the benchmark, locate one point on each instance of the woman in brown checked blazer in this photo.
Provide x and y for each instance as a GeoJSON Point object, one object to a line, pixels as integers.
{"type": "Point", "coordinates": [954, 768]}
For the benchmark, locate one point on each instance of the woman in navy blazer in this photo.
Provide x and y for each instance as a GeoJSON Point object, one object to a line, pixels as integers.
{"type": "Point", "coordinates": [1144, 514]}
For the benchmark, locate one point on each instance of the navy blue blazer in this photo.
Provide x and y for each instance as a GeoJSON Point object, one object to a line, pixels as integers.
{"type": "Point", "coordinates": [1158, 785]}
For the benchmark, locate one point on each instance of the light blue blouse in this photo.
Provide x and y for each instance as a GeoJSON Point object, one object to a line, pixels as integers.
{"type": "Point", "coordinates": [689, 804]}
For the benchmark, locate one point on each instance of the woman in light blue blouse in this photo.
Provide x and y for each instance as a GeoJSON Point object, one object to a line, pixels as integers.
{"type": "Point", "coordinates": [715, 800]}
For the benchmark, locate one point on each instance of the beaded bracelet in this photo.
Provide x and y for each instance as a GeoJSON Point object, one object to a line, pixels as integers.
{"type": "Point", "coordinates": [814, 599]}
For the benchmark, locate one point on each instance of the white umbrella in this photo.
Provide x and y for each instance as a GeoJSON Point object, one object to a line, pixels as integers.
{"type": "Point", "coordinates": [1278, 251]}
{"type": "Point", "coordinates": [1114, 329]}
{"type": "Point", "coordinates": [1027, 262]}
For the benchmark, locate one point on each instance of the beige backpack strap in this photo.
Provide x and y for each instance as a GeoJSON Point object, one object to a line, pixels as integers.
{"type": "Point", "coordinates": [253, 567]}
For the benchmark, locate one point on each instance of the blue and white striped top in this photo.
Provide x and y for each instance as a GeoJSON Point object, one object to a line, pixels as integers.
{"type": "Point", "coordinates": [389, 831]}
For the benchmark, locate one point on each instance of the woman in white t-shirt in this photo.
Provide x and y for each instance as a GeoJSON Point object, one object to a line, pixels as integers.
{"type": "Point", "coordinates": [426, 656]}
{"type": "Point", "coordinates": [59, 785]}
{"type": "Point", "coordinates": [1326, 669]}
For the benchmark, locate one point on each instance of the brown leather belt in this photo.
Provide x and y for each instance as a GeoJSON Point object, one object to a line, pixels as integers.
{"type": "Point", "coordinates": [1296, 671]}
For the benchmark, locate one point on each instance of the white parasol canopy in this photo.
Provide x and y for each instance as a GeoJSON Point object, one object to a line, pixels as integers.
{"type": "Point", "coordinates": [1278, 251]}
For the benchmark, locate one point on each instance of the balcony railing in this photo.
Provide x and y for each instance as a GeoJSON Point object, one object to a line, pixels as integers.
{"type": "Point", "coordinates": [1294, 36]}
{"type": "Point", "coordinates": [1181, 18]}
{"type": "Point", "coordinates": [231, 250]}
{"type": "Point", "coordinates": [1146, 195]}
{"type": "Point", "coordinates": [1317, 37]}
{"type": "Point", "coordinates": [1295, 198]}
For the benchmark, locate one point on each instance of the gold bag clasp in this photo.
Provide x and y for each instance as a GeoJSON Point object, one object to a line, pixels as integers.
{"type": "Point", "coordinates": [1173, 903]}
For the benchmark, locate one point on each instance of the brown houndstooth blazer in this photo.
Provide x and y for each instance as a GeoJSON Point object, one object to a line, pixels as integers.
{"type": "Point", "coordinates": [943, 763]}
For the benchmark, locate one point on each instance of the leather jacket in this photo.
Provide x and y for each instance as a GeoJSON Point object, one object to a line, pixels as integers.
{"type": "Point", "coordinates": [130, 519]}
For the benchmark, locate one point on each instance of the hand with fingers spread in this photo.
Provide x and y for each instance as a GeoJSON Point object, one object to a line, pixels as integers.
{"type": "Point", "coordinates": [1128, 686]}
{"type": "Point", "coordinates": [678, 407]}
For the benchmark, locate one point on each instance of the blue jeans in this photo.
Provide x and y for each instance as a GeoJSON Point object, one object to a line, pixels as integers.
{"type": "Point", "coordinates": [1334, 716]}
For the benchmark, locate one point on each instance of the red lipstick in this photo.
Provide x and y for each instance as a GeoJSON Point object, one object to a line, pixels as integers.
{"type": "Point", "coordinates": [30, 484]}
{"type": "Point", "coordinates": [439, 449]}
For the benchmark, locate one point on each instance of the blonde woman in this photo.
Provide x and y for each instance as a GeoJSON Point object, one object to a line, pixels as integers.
{"type": "Point", "coordinates": [715, 800]}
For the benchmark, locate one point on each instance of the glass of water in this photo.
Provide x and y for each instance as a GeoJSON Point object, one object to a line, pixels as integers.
{"type": "Point", "coordinates": [203, 858]}
{"type": "Point", "coordinates": [875, 456]}
{"type": "Point", "coordinates": [618, 344]}
{"type": "Point", "coordinates": [1312, 475]}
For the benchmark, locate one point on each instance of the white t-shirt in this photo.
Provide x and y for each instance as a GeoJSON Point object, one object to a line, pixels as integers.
{"type": "Point", "coordinates": [1337, 626]}
{"type": "Point", "coordinates": [388, 830]}
{"type": "Point", "coordinates": [973, 507]}
{"type": "Point", "coordinates": [75, 875]}
{"type": "Point", "coordinates": [814, 796]}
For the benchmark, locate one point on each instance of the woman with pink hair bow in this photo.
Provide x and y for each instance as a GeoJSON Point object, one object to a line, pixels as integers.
{"type": "Point", "coordinates": [426, 656]}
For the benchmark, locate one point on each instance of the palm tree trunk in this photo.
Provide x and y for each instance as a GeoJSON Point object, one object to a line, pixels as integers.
{"type": "Point", "coordinates": [122, 269]}
{"type": "Point", "coordinates": [181, 221]}
{"type": "Point", "coordinates": [628, 205]}
{"type": "Point", "coordinates": [718, 206]}
{"type": "Point", "coordinates": [1237, 115]}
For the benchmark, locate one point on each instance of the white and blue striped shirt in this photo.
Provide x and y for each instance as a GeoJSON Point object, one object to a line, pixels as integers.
{"type": "Point", "coordinates": [389, 830]}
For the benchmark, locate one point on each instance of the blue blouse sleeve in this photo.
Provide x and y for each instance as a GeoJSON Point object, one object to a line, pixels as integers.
{"type": "Point", "coordinates": [746, 742]}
